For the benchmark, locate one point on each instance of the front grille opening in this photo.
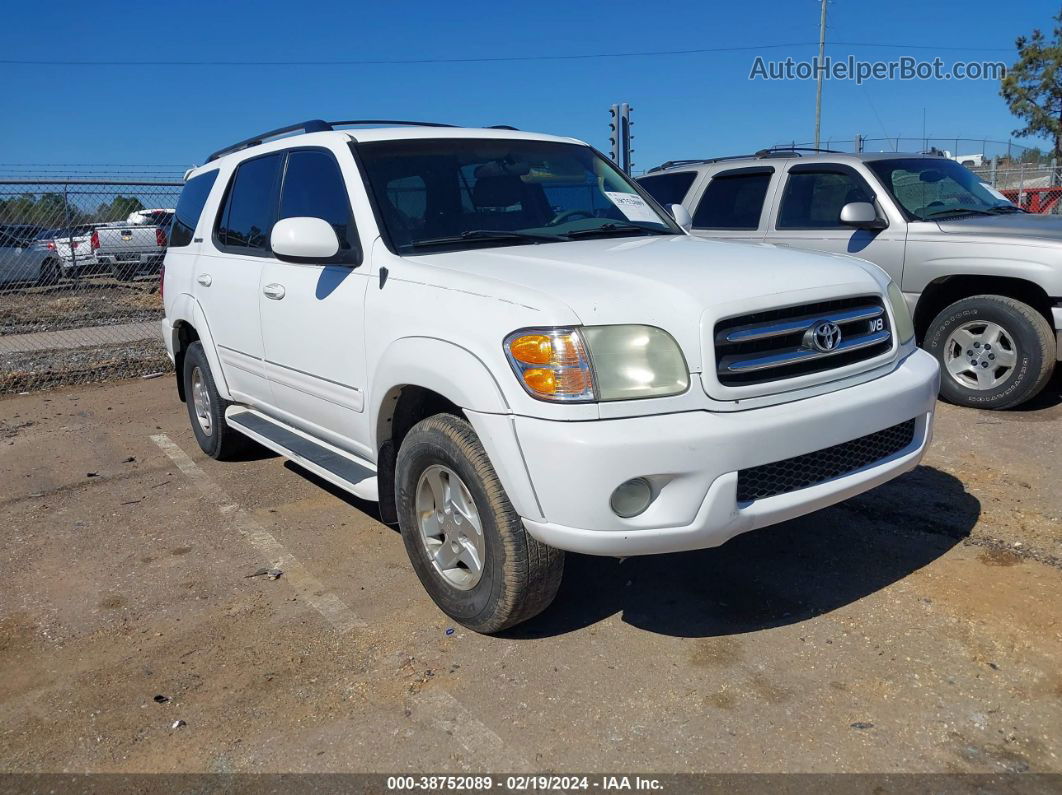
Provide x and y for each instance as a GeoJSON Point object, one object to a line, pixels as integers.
{"type": "Point", "coordinates": [730, 356]}
{"type": "Point", "coordinates": [781, 477]}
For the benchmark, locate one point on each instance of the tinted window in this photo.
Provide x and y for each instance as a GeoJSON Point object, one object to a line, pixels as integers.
{"type": "Point", "coordinates": [732, 202]}
{"type": "Point", "coordinates": [189, 206]}
{"type": "Point", "coordinates": [814, 201]}
{"type": "Point", "coordinates": [668, 188]}
{"type": "Point", "coordinates": [250, 207]}
{"type": "Point", "coordinates": [433, 195]}
{"type": "Point", "coordinates": [314, 187]}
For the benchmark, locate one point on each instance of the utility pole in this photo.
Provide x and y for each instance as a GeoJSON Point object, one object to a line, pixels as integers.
{"type": "Point", "coordinates": [818, 72]}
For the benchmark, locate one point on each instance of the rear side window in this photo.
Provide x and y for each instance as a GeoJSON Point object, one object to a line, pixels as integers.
{"type": "Point", "coordinates": [733, 202]}
{"type": "Point", "coordinates": [189, 206]}
{"type": "Point", "coordinates": [314, 187]}
{"type": "Point", "coordinates": [250, 208]}
{"type": "Point", "coordinates": [668, 189]}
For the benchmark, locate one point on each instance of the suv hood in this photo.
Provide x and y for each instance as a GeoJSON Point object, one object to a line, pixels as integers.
{"type": "Point", "coordinates": [672, 282]}
{"type": "Point", "coordinates": [1012, 225]}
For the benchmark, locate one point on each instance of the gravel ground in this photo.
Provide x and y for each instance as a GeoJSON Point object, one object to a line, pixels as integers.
{"type": "Point", "coordinates": [97, 301]}
{"type": "Point", "coordinates": [35, 370]}
{"type": "Point", "coordinates": [917, 628]}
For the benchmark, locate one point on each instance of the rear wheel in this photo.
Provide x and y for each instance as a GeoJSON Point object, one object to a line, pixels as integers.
{"type": "Point", "coordinates": [51, 273]}
{"type": "Point", "coordinates": [467, 544]}
{"type": "Point", "coordinates": [126, 272]}
{"type": "Point", "coordinates": [994, 352]}
{"type": "Point", "coordinates": [206, 408]}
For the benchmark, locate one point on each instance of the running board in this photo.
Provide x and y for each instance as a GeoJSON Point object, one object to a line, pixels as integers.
{"type": "Point", "coordinates": [336, 466]}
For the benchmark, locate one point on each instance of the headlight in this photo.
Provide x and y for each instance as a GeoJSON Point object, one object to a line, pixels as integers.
{"type": "Point", "coordinates": [597, 363]}
{"type": "Point", "coordinates": [901, 314]}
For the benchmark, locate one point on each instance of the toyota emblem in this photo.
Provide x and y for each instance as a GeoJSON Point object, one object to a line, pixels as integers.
{"type": "Point", "coordinates": [824, 336]}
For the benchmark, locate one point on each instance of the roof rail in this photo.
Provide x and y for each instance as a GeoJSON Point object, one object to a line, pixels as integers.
{"type": "Point", "coordinates": [395, 122]}
{"type": "Point", "coordinates": [315, 125]}
{"type": "Point", "coordinates": [772, 151]}
{"type": "Point", "coordinates": [796, 150]}
{"type": "Point", "coordinates": [694, 161]}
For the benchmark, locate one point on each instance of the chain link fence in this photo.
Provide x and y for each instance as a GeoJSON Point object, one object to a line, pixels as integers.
{"type": "Point", "coordinates": [80, 256]}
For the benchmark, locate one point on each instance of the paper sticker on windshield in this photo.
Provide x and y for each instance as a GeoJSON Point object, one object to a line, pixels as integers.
{"type": "Point", "coordinates": [633, 207]}
{"type": "Point", "coordinates": [995, 192]}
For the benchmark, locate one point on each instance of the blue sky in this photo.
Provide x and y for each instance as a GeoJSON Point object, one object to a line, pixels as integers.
{"type": "Point", "coordinates": [684, 105]}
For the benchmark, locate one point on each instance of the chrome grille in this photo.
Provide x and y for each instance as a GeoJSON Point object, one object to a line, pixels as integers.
{"type": "Point", "coordinates": [779, 343]}
{"type": "Point", "coordinates": [806, 470]}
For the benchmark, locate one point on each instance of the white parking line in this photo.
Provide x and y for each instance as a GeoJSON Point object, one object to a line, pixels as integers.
{"type": "Point", "coordinates": [487, 750]}
{"type": "Point", "coordinates": [435, 708]}
{"type": "Point", "coordinates": [305, 584]}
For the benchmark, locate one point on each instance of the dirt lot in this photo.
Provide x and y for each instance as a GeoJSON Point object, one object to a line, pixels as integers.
{"type": "Point", "coordinates": [916, 628]}
{"type": "Point", "coordinates": [94, 311]}
{"type": "Point", "coordinates": [94, 301]}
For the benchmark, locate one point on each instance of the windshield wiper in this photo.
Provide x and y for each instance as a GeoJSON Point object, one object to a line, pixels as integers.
{"type": "Point", "coordinates": [610, 229]}
{"type": "Point", "coordinates": [1006, 209]}
{"type": "Point", "coordinates": [957, 211]}
{"type": "Point", "coordinates": [486, 235]}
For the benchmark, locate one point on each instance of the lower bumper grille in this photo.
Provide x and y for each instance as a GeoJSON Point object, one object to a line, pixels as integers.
{"type": "Point", "coordinates": [769, 480]}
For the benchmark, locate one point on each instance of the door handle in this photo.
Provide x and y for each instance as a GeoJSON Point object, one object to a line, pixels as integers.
{"type": "Point", "coordinates": [204, 279]}
{"type": "Point", "coordinates": [274, 291]}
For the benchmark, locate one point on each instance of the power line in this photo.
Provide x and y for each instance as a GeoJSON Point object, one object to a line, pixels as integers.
{"type": "Point", "coordinates": [499, 59]}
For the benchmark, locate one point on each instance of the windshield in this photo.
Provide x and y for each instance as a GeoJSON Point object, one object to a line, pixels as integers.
{"type": "Point", "coordinates": [934, 188]}
{"type": "Point", "coordinates": [446, 194]}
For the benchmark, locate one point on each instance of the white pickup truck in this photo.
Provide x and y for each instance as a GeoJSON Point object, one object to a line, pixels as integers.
{"type": "Point", "coordinates": [135, 246]}
{"type": "Point", "coordinates": [509, 345]}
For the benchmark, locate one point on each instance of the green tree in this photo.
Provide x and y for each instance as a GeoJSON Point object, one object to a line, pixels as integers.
{"type": "Point", "coordinates": [119, 208]}
{"type": "Point", "coordinates": [1032, 87]}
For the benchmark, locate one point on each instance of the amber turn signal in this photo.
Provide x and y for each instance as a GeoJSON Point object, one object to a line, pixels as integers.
{"type": "Point", "coordinates": [532, 349]}
{"type": "Point", "coordinates": [541, 380]}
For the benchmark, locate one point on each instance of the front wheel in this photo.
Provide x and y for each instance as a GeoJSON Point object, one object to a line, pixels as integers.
{"type": "Point", "coordinates": [467, 544]}
{"type": "Point", "coordinates": [994, 352]}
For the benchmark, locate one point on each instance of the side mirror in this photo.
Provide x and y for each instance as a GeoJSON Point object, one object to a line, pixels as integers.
{"type": "Point", "coordinates": [862, 215]}
{"type": "Point", "coordinates": [304, 239]}
{"type": "Point", "coordinates": [681, 216]}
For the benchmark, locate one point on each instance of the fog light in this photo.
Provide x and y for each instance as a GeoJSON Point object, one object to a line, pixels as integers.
{"type": "Point", "coordinates": [631, 498]}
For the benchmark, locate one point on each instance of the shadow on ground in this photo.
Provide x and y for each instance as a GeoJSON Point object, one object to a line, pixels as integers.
{"type": "Point", "coordinates": [771, 577]}
{"type": "Point", "coordinates": [1049, 398]}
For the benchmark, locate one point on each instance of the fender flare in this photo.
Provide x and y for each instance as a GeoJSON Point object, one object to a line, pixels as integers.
{"type": "Point", "coordinates": [186, 309]}
{"type": "Point", "coordinates": [441, 366]}
{"type": "Point", "coordinates": [464, 379]}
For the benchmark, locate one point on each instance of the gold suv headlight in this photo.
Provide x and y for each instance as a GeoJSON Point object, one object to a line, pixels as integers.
{"type": "Point", "coordinates": [597, 363]}
{"type": "Point", "coordinates": [901, 315]}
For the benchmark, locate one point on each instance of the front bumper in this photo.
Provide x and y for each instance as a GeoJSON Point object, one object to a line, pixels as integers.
{"type": "Point", "coordinates": [1056, 313]}
{"type": "Point", "coordinates": [692, 460]}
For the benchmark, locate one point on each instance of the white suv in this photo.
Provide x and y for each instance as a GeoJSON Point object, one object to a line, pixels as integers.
{"type": "Point", "coordinates": [508, 344]}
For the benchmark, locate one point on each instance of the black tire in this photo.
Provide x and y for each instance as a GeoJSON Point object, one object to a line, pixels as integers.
{"type": "Point", "coordinates": [51, 273]}
{"type": "Point", "coordinates": [1033, 343]}
{"type": "Point", "coordinates": [520, 575]}
{"type": "Point", "coordinates": [126, 273]}
{"type": "Point", "coordinates": [217, 439]}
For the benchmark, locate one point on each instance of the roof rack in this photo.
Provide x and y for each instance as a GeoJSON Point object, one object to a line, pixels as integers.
{"type": "Point", "coordinates": [316, 125]}
{"type": "Point", "coordinates": [694, 161]}
{"type": "Point", "coordinates": [772, 151]}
